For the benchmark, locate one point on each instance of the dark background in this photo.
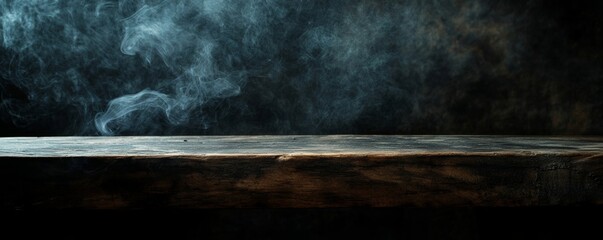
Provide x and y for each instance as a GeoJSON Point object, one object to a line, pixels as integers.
{"type": "Point", "coordinates": [304, 67]}
{"type": "Point", "coordinates": [546, 79]}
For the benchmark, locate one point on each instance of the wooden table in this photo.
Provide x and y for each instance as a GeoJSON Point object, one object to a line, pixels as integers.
{"type": "Point", "coordinates": [299, 171]}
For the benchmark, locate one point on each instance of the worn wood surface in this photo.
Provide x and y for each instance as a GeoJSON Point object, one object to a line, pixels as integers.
{"type": "Point", "coordinates": [299, 171]}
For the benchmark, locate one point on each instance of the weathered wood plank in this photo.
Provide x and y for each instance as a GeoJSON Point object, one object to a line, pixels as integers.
{"type": "Point", "coordinates": [299, 171]}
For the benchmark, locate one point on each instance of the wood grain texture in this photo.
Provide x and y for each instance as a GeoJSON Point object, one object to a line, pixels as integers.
{"type": "Point", "coordinates": [299, 171]}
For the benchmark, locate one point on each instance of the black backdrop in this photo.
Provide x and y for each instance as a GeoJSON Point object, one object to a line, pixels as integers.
{"type": "Point", "coordinates": [301, 67]}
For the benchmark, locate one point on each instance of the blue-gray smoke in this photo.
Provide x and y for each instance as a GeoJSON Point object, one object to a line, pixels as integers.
{"type": "Point", "coordinates": [153, 67]}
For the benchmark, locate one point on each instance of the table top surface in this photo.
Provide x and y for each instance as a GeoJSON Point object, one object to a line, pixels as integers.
{"type": "Point", "coordinates": [295, 145]}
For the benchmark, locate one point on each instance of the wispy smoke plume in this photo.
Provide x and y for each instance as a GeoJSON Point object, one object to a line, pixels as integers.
{"type": "Point", "coordinates": [262, 66]}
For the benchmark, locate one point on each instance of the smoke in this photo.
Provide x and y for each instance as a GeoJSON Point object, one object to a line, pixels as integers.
{"type": "Point", "coordinates": [113, 67]}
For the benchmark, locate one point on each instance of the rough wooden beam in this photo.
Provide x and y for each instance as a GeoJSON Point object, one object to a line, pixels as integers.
{"type": "Point", "coordinates": [299, 171]}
